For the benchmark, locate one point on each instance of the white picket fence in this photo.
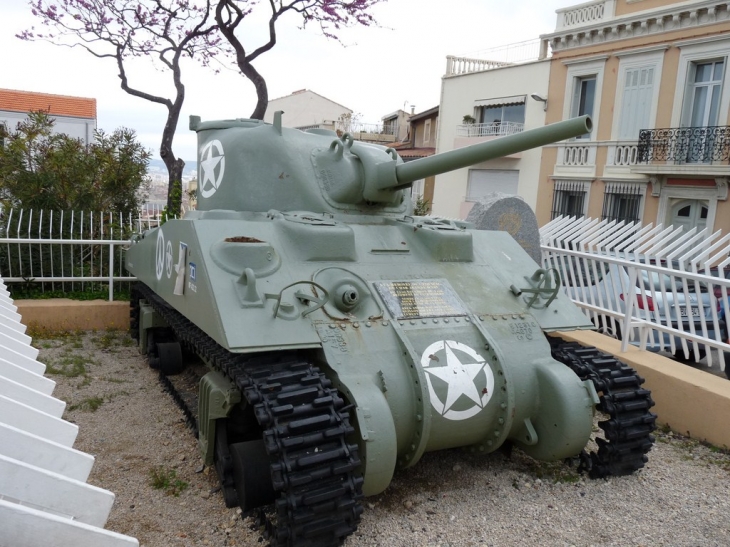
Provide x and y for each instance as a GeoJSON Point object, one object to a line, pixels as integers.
{"type": "Point", "coordinates": [68, 250]}
{"type": "Point", "coordinates": [660, 288]}
{"type": "Point", "coordinates": [44, 498]}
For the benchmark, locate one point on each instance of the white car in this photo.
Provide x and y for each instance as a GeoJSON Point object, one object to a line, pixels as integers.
{"type": "Point", "coordinates": [660, 298]}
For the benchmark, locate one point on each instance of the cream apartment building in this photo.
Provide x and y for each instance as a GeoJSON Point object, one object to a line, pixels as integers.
{"type": "Point", "coordinates": [653, 75]}
{"type": "Point", "coordinates": [483, 100]}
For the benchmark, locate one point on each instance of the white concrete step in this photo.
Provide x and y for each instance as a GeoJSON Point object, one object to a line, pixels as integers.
{"type": "Point", "coordinates": [39, 423]}
{"type": "Point", "coordinates": [9, 341]}
{"type": "Point", "coordinates": [31, 397]}
{"type": "Point", "coordinates": [10, 315]}
{"type": "Point", "coordinates": [26, 377]}
{"type": "Point", "coordinates": [54, 493]}
{"type": "Point", "coordinates": [27, 527]}
{"type": "Point", "coordinates": [49, 455]}
{"type": "Point", "coordinates": [24, 361]}
{"type": "Point", "coordinates": [8, 305]}
{"type": "Point", "coordinates": [17, 330]}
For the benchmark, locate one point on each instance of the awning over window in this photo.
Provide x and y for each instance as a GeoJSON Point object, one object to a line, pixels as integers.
{"type": "Point", "coordinates": [501, 101]}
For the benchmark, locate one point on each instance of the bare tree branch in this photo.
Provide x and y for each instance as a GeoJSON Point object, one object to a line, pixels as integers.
{"type": "Point", "coordinates": [124, 30]}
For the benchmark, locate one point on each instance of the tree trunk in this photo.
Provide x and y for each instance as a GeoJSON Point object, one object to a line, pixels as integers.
{"type": "Point", "coordinates": [174, 166]}
{"type": "Point", "coordinates": [262, 92]}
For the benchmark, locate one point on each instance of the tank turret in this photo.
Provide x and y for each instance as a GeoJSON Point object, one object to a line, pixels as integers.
{"type": "Point", "coordinates": [343, 338]}
{"type": "Point", "coordinates": [318, 171]}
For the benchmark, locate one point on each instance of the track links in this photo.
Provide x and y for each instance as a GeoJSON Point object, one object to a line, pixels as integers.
{"type": "Point", "coordinates": [630, 424]}
{"type": "Point", "coordinates": [305, 426]}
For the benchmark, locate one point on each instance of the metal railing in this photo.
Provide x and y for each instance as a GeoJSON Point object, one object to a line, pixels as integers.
{"type": "Point", "coordinates": [685, 144]}
{"type": "Point", "coordinates": [659, 288]}
{"type": "Point", "coordinates": [456, 66]}
{"type": "Point", "coordinates": [372, 128]}
{"type": "Point", "coordinates": [68, 250]}
{"type": "Point", "coordinates": [492, 129]}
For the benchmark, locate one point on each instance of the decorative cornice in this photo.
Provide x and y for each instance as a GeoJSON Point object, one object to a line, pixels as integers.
{"type": "Point", "coordinates": [622, 180]}
{"type": "Point", "coordinates": [589, 179]}
{"type": "Point", "coordinates": [642, 50]}
{"type": "Point", "coordinates": [677, 16]}
{"type": "Point", "coordinates": [602, 57]}
{"type": "Point", "coordinates": [702, 40]}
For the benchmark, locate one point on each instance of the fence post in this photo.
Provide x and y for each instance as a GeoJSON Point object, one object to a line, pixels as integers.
{"type": "Point", "coordinates": [629, 313]}
{"type": "Point", "coordinates": [111, 271]}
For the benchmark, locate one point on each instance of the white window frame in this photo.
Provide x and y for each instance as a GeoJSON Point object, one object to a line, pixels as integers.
{"type": "Point", "coordinates": [427, 132]}
{"type": "Point", "coordinates": [697, 53]}
{"type": "Point", "coordinates": [633, 61]}
{"type": "Point", "coordinates": [576, 71]}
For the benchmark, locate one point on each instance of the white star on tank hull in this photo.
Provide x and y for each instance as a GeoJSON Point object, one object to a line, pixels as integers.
{"type": "Point", "coordinates": [460, 378]}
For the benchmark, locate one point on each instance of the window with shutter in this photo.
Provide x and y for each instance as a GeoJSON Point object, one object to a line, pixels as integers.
{"type": "Point", "coordinates": [636, 104]}
{"type": "Point", "coordinates": [483, 182]}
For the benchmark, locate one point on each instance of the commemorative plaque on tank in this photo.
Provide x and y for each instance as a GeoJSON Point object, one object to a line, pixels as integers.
{"type": "Point", "coordinates": [417, 299]}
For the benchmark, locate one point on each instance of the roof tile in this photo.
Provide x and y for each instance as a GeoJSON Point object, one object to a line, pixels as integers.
{"type": "Point", "coordinates": [58, 105]}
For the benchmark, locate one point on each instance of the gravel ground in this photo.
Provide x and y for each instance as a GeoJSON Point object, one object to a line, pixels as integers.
{"type": "Point", "coordinates": [148, 458]}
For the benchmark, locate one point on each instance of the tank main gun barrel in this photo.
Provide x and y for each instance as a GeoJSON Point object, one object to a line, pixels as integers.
{"type": "Point", "coordinates": [497, 148]}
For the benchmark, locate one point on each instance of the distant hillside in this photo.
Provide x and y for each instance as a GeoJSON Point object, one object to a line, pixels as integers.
{"type": "Point", "coordinates": [191, 167]}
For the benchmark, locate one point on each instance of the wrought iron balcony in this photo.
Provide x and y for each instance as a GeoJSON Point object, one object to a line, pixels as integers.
{"type": "Point", "coordinates": [684, 145]}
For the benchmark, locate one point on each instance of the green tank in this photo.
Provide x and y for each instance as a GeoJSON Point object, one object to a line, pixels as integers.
{"type": "Point", "coordinates": [345, 337]}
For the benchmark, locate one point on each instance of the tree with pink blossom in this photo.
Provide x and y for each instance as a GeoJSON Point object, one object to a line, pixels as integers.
{"type": "Point", "coordinates": [330, 16]}
{"type": "Point", "coordinates": [168, 31]}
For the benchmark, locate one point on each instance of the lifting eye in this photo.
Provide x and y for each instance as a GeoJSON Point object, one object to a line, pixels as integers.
{"type": "Point", "coordinates": [349, 297]}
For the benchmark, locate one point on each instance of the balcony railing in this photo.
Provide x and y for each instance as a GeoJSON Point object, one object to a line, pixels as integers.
{"type": "Point", "coordinates": [585, 14]}
{"type": "Point", "coordinates": [374, 128]}
{"type": "Point", "coordinates": [684, 145]}
{"type": "Point", "coordinates": [491, 129]}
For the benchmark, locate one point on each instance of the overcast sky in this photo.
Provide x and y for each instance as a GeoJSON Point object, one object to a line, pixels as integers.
{"type": "Point", "coordinates": [379, 69]}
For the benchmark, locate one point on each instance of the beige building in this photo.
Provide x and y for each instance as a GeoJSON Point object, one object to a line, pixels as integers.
{"type": "Point", "coordinates": [653, 75]}
{"type": "Point", "coordinates": [305, 109]}
{"type": "Point", "coordinates": [396, 124]}
{"type": "Point", "coordinates": [420, 142]}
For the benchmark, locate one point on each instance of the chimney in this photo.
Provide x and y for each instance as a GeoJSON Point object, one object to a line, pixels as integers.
{"type": "Point", "coordinates": [413, 109]}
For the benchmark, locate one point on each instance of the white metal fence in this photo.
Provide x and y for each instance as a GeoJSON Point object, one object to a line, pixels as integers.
{"type": "Point", "coordinates": [662, 289]}
{"type": "Point", "coordinates": [44, 497]}
{"type": "Point", "coordinates": [68, 250]}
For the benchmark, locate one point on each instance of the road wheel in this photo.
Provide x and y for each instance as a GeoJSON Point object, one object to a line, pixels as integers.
{"type": "Point", "coordinates": [691, 356]}
{"type": "Point", "coordinates": [164, 354]}
{"type": "Point", "coordinates": [607, 327]}
{"type": "Point", "coordinates": [252, 474]}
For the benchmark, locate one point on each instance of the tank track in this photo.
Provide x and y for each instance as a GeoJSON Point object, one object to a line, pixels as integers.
{"type": "Point", "coordinates": [305, 427]}
{"type": "Point", "coordinates": [628, 430]}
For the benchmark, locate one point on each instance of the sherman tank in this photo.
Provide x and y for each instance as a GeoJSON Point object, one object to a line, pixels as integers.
{"type": "Point", "coordinates": [345, 337]}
